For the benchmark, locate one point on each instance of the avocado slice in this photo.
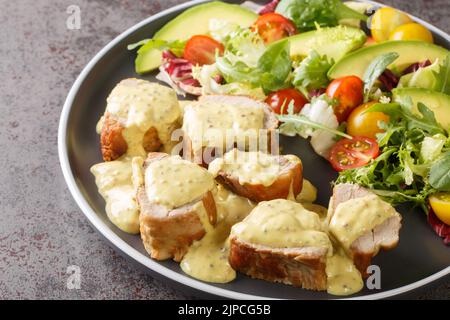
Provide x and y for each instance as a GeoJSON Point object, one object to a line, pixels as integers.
{"type": "Point", "coordinates": [410, 52]}
{"type": "Point", "coordinates": [333, 42]}
{"type": "Point", "coordinates": [191, 22]}
{"type": "Point", "coordinates": [438, 102]}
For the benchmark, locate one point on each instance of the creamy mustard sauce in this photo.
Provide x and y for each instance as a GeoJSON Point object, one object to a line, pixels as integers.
{"type": "Point", "coordinates": [253, 167]}
{"type": "Point", "coordinates": [115, 184]}
{"type": "Point", "coordinates": [355, 217]}
{"type": "Point", "coordinates": [342, 276]}
{"type": "Point", "coordinates": [282, 224]}
{"type": "Point", "coordinates": [174, 182]}
{"type": "Point", "coordinates": [317, 208]}
{"type": "Point", "coordinates": [308, 193]}
{"type": "Point", "coordinates": [137, 175]}
{"type": "Point", "coordinates": [207, 259]}
{"type": "Point", "coordinates": [287, 224]}
{"type": "Point", "coordinates": [140, 105]}
{"type": "Point", "coordinates": [183, 104]}
{"type": "Point", "coordinates": [209, 123]}
{"type": "Point", "coordinates": [99, 126]}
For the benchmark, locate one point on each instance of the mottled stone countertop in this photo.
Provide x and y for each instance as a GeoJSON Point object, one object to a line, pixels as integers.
{"type": "Point", "coordinates": [42, 230]}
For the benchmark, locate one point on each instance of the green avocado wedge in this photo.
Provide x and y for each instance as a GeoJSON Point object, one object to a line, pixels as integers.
{"type": "Point", "coordinates": [410, 52]}
{"type": "Point", "coordinates": [438, 102]}
{"type": "Point", "coordinates": [333, 42]}
{"type": "Point", "coordinates": [193, 21]}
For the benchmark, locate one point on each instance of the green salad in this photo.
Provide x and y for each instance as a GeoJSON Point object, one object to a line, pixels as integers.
{"type": "Point", "coordinates": [367, 86]}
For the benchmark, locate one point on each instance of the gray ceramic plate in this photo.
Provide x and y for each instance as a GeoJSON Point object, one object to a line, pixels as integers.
{"type": "Point", "coordinates": [420, 259]}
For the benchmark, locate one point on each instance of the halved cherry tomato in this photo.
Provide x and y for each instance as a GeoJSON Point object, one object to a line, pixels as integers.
{"type": "Point", "coordinates": [348, 91]}
{"type": "Point", "coordinates": [353, 153]}
{"type": "Point", "coordinates": [282, 98]}
{"type": "Point", "coordinates": [202, 49]}
{"type": "Point", "coordinates": [440, 202]}
{"type": "Point", "coordinates": [273, 26]}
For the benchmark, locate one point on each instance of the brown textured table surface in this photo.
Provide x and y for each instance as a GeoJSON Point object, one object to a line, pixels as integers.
{"type": "Point", "coordinates": [42, 231]}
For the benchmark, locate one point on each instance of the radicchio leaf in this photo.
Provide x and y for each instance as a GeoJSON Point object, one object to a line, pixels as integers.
{"type": "Point", "coordinates": [316, 92]}
{"type": "Point", "coordinates": [389, 79]}
{"type": "Point", "coordinates": [179, 71]}
{"type": "Point", "coordinates": [415, 66]}
{"type": "Point", "coordinates": [269, 7]}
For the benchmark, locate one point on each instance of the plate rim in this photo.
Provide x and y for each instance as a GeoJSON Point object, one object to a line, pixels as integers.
{"type": "Point", "coordinates": [144, 260]}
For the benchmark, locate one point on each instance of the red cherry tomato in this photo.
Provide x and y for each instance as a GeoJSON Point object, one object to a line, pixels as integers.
{"type": "Point", "coordinates": [353, 153]}
{"type": "Point", "coordinates": [370, 41]}
{"type": "Point", "coordinates": [282, 98]}
{"type": "Point", "coordinates": [273, 26]}
{"type": "Point", "coordinates": [348, 91]}
{"type": "Point", "coordinates": [202, 50]}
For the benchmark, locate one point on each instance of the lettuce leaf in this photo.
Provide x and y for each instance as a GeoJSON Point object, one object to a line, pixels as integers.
{"type": "Point", "coordinates": [422, 78]}
{"type": "Point", "coordinates": [207, 77]}
{"type": "Point", "coordinates": [306, 14]}
{"type": "Point", "coordinates": [312, 72]}
{"type": "Point", "coordinates": [275, 65]}
{"type": "Point", "coordinates": [248, 61]}
{"type": "Point", "coordinates": [440, 173]}
{"type": "Point", "coordinates": [176, 46]}
{"type": "Point", "coordinates": [443, 77]}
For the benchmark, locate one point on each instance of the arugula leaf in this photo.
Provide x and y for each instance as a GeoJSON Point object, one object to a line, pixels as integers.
{"type": "Point", "coordinates": [312, 72]}
{"type": "Point", "coordinates": [440, 173]}
{"type": "Point", "coordinates": [425, 120]}
{"type": "Point", "coordinates": [294, 123]}
{"type": "Point", "coordinates": [443, 76]}
{"type": "Point", "coordinates": [375, 69]}
{"type": "Point", "coordinates": [176, 46]}
{"type": "Point", "coordinates": [307, 13]}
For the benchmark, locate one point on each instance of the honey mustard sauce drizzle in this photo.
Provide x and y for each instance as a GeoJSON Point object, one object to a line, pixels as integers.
{"type": "Point", "coordinates": [253, 167]}
{"type": "Point", "coordinates": [277, 223]}
{"type": "Point", "coordinates": [209, 124]}
{"type": "Point", "coordinates": [342, 276]}
{"type": "Point", "coordinates": [287, 224]}
{"type": "Point", "coordinates": [207, 259]}
{"type": "Point", "coordinates": [138, 105]}
{"type": "Point", "coordinates": [174, 182]}
{"type": "Point", "coordinates": [355, 217]}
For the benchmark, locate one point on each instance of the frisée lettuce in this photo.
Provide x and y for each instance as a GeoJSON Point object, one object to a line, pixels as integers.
{"type": "Point", "coordinates": [414, 160]}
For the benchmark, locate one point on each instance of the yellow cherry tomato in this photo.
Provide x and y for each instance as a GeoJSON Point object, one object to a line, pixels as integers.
{"type": "Point", "coordinates": [385, 20]}
{"type": "Point", "coordinates": [362, 123]}
{"type": "Point", "coordinates": [411, 31]}
{"type": "Point", "coordinates": [440, 202]}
